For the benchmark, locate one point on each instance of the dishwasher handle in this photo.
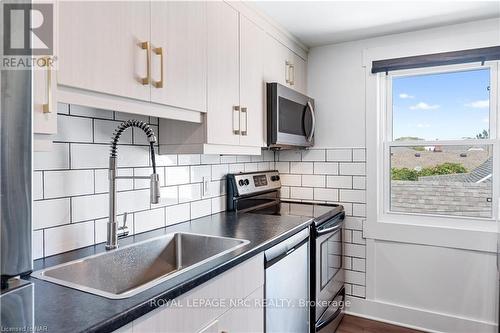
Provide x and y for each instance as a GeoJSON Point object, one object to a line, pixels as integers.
{"type": "Point", "coordinates": [286, 247]}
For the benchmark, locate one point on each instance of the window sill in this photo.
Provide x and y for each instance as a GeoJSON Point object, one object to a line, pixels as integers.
{"type": "Point", "coordinates": [466, 235]}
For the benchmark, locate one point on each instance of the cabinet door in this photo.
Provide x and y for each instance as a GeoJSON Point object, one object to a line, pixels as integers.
{"type": "Point", "coordinates": [252, 85]}
{"type": "Point", "coordinates": [179, 29]}
{"type": "Point", "coordinates": [246, 318]}
{"type": "Point", "coordinates": [223, 74]}
{"type": "Point", "coordinates": [100, 46]}
{"type": "Point", "coordinates": [275, 67]}
{"type": "Point", "coordinates": [299, 74]}
{"type": "Point", "coordinates": [44, 101]}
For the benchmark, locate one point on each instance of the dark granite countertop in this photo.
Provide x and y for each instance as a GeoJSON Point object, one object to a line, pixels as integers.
{"type": "Point", "coordinates": [62, 309]}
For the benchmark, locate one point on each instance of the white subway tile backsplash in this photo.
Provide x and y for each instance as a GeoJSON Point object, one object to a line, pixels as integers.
{"type": "Point", "coordinates": [219, 171]}
{"type": "Point", "coordinates": [236, 168]}
{"type": "Point", "coordinates": [354, 250]}
{"type": "Point", "coordinates": [357, 237]}
{"type": "Point", "coordinates": [264, 166]}
{"type": "Point", "coordinates": [301, 167]}
{"type": "Point", "coordinates": [166, 160]}
{"type": "Point", "coordinates": [314, 155]}
{"type": "Point", "coordinates": [313, 181]}
{"type": "Point", "coordinates": [68, 237]}
{"type": "Point", "coordinates": [339, 155]}
{"type": "Point", "coordinates": [178, 213]}
{"type": "Point", "coordinates": [68, 183]}
{"type": "Point", "coordinates": [77, 110]}
{"type": "Point", "coordinates": [359, 183]}
{"type": "Point", "coordinates": [169, 195]}
{"type": "Point", "coordinates": [289, 155]}
{"type": "Point", "coordinates": [302, 193]}
{"type": "Point", "coordinates": [149, 220]}
{"type": "Point", "coordinates": [37, 249]}
{"type": "Point", "coordinates": [228, 159]}
{"type": "Point", "coordinates": [201, 208]}
{"type": "Point", "coordinates": [37, 185]}
{"type": "Point", "coordinates": [339, 181]}
{"type": "Point", "coordinates": [353, 195]}
{"type": "Point", "coordinates": [359, 209]}
{"type": "Point", "coordinates": [146, 172]}
{"type": "Point", "coordinates": [251, 167]}
{"type": "Point", "coordinates": [57, 158]}
{"type": "Point", "coordinates": [291, 180]}
{"type": "Point", "coordinates": [90, 156]}
{"type": "Point", "coordinates": [358, 291]}
{"type": "Point", "coordinates": [210, 159]}
{"type": "Point", "coordinates": [256, 158]}
{"type": "Point", "coordinates": [74, 129]}
{"type": "Point", "coordinates": [140, 138]}
{"type": "Point", "coordinates": [62, 108]}
{"type": "Point", "coordinates": [285, 192]}
{"type": "Point", "coordinates": [282, 167]}
{"type": "Point", "coordinates": [122, 116]}
{"type": "Point", "coordinates": [133, 156]}
{"type": "Point", "coordinates": [132, 201]}
{"type": "Point", "coordinates": [104, 129]}
{"type": "Point", "coordinates": [218, 204]}
{"type": "Point", "coordinates": [355, 277]}
{"type": "Point", "coordinates": [327, 168]}
{"type": "Point", "coordinates": [359, 155]}
{"type": "Point", "coordinates": [353, 223]}
{"type": "Point", "coordinates": [347, 262]}
{"type": "Point", "coordinates": [189, 192]}
{"type": "Point", "coordinates": [177, 175]}
{"type": "Point", "coordinates": [326, 194]}
{"type": "Point", "coordinates": [243, 159]}
{"type": "Point", "coordinates": [352, 169]}
{"type": "Point", "coordinates": [102, 180]}
{"type": "Point", "coordinates": [89, 207]}
{"type": "Point", "coordinates": [50, 213]}
{"type": "Point", "coordinates": [190, 159]}
{"type": "Point", "coordinates": [198, 172]}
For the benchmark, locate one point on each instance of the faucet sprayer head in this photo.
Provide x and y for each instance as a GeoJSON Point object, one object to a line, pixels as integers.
{"type": "Point", "coordinates": [154, 189]}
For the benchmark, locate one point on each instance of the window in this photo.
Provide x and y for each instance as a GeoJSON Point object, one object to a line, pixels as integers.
{"type": "Point", "coordinates": [440, 141]}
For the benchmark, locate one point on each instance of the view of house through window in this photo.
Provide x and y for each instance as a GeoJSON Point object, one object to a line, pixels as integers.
{"type": "Point", "coordinates": [440, 159]}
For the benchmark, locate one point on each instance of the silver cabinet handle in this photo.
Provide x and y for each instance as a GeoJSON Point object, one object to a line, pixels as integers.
{"type": "Point", "coordinates": [236, 119]}
{"type": "Point", "coordinates": [47, 107]}
{"type": "Point", "coordinates": [292, 75]}
{"type": "Point", "coordinates": [313, 125]}
{"type": "Point", "coordinates": [244, 113]}
{"type": "Point", "coordinates": [287, 71]}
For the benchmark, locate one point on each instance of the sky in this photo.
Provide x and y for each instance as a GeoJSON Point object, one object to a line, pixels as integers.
{"type": "Point", "coordinates": [441, 106]}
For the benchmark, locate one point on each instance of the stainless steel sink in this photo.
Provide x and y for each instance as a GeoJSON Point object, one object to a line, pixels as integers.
{"type": "Point", "coordinates": [128, 270]}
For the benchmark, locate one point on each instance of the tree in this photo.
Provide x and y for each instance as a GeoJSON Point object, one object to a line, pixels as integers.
{"type": "Point", "coordinates": [483, 135]}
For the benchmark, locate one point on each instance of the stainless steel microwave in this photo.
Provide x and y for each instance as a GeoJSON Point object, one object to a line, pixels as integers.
{"type": "Point", "coordinates": [290, 118]}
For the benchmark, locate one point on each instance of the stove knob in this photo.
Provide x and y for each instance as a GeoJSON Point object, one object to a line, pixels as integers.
{"type": "Point", "coordinates": [246, 181]}
{"type": "Point", "coordinates": [275, 178]}
{"type": "Point", "coordinates": [241, 182]}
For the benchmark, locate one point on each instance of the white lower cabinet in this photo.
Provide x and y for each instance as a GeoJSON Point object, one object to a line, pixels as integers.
{"type": "Point", "coordinates": [216, 306]}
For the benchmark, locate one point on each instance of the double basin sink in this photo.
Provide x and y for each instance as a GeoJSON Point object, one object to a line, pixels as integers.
{"type": "Point", "coordinates": [131, 269]}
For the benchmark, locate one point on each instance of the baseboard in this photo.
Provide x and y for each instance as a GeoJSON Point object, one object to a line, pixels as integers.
{"type": "Point", "coordinates": [418, 319]}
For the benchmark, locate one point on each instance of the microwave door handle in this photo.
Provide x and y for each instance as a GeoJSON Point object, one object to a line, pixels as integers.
{"type": "Point", "coordinates": [313, 124]}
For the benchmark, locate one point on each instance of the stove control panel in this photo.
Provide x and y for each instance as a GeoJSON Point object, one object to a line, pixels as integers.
{"type": "Point", "coordinates": [253, 182]}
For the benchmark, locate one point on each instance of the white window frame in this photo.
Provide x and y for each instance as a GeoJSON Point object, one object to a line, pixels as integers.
{"type": "Point", "coordinates": [385, 131]}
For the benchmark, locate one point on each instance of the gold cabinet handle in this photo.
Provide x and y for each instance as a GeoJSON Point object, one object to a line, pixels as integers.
{"type": "Point", "coordinates": [244, 132]}
{"type": "Point", "coordinates": [159, 51]}
{"type": "Point", "coordinates": [145, 46]}
{"type": "Point", "coordinates": [47, 107]}
{"type": "Point", "coordinates": [236, 119]}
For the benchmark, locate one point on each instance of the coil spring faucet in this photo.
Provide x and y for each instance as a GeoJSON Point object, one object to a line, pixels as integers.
{"type": "Point", "coordinates": [115, 232]}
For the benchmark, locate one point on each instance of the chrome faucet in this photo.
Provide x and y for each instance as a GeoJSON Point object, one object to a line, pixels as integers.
{"type": "Point", "coordinates": [114, 232]}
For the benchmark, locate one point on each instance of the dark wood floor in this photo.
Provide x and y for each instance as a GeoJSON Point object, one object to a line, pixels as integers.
{"type": "Point", "coordinates": [351, 324]}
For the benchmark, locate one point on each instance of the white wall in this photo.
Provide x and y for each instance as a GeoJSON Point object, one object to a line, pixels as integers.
{"type": "Point", "coordinates": [436, 288]}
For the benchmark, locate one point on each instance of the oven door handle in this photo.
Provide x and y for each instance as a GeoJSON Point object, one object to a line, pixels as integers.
{"type": "Point", "coordinates": [336, 225]}
{"type": "Point", "coordinates": [327, 316]}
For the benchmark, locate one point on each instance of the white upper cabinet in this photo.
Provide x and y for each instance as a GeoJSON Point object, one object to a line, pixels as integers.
{"type": "Point", "coordinates": [179, 54]}
{"type": "Point", "coordinates": [252, 84]}
{"type": "Point", "coordinates": [104, 47]}
{"type": "Point", "coordinates": [223, 115]}
{"type": "Point", "coordinates": [284, 66]}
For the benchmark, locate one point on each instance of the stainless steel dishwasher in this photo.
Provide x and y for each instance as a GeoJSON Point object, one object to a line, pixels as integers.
{"type": "Point", "coordinates": [287, 285]}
